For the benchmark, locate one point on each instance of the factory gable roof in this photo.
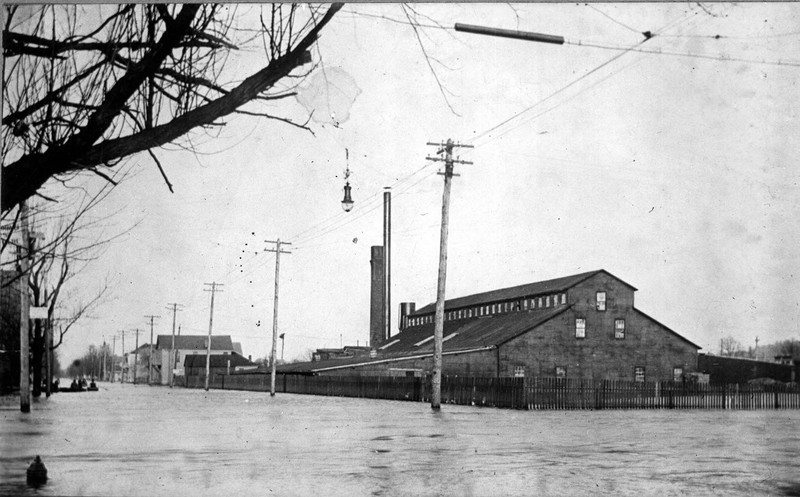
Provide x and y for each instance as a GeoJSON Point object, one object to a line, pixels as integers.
{"type": "Point", "coordinates": [515, 292]}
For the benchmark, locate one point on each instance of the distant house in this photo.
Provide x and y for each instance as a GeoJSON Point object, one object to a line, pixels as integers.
{"type": "Point", "coordinates": [139, 372]}
{"type": "Point", "coordinates": [188, 345]}
{"type": "Point", "coordinates": [579, 326]}
{"type": "Point", "coordinates": [195, 365]}
{"type": "Point", "coordinates": [342, 353]}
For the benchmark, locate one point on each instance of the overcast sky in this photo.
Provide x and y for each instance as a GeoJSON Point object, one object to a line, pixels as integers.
{"type": "Point", "coordinates": [674, 173]}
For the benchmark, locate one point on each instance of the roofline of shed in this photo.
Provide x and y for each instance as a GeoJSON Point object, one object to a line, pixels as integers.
{"type": "Point", "coordinates": [404, 358]}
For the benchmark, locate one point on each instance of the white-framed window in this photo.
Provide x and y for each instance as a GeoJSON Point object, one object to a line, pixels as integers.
{"type": "Point", "coordinates": [619, 329]}
{"type": "Point", "coordinates": [601, 301]}
{"type": "Point", "coordinates": [580, 328]}
{"type": "Point", "coordinates": [677, 373]}
{"type": "Point", "coordinates": [638, 374]}
{"type": "Point", "coordinates": [519, 371]}
{"type": "Point", "coordinates": [563, 298]}
{"type": "Point", "coordinates": [561, 372]}
{"type": "Point", "coordinates": [541, 302]}
{"type": "Point", "coordinates": [547, 301]}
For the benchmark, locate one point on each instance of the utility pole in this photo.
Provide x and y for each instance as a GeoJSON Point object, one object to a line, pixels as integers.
{"type": "Point", "coordinates": [48, 345]}
{"type": "Point", "coordinates": [113, 357]}
{"type": "Point", "coordinates": [436, 382]}
{"type": "Point", "coordinates": [103, 373]}
{"type": "Point", "coordinates": [281, 336]}
{"type": "Point", "coordinates": [24, 318]}
{"type": "Point", "coordinates": [213, 290]}
{"type": "Point", "coordinates": [122, 373]}
{"type": "Point", "coordinates": [150, 358]}
{"type": "Point", "coordinates": [172, 357]}
{"type": "Point", "coordinates": [278, 251]}
{"type": "Point", "coordinates": [136, 357]}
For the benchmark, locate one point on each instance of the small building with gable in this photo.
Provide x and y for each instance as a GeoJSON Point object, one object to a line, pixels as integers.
{"type": "Point", "coordinates": [187, 345]}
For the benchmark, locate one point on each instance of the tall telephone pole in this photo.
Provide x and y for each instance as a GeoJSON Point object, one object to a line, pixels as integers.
{"type": "Point", "coordinates": [436, 381]}
{"type": "Point", "coordinates": [213, 291]}
{"type": "Point", "coordinates": [136, 357]}
{"type": "Point", "coordinates": [150, 358]}
{"type": "Point", "coordinates": [113, 357]}
{"type": "Point", "coordinates": [103, 370]}
{"type": "Point", "coordinates": [172, 358]}
{"type": "Point", "coordinates": [278, 251]}
{"type": "Point", "coordinates": [24, 318]}
{"type": "Point", "coordinates": [122, 373]}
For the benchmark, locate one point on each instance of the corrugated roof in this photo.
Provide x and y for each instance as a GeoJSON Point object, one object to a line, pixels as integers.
{"type": "Point", "coordinates": [195, 342]}
{"type": "Point", "coordinates": [459, 336]}
{"type": "Point", "coordinates": [217, 361]}
{"type": "Point", "coordinates": [515, 292]}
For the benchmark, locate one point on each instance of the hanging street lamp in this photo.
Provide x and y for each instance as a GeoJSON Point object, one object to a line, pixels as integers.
{"type": "Point", "coordinates": [347, 202]}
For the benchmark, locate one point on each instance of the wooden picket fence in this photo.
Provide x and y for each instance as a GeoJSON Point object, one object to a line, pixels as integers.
{"type": "Point", "coordinates": [563, 393]}
{"type": "Point", "coordinates": [524, 393]}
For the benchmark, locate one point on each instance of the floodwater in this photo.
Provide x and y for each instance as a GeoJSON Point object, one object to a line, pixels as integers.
{"type": "Point", "coordinates": [142, 441]}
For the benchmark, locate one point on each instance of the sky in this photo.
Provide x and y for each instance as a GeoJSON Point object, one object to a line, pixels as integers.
{"type": "Point", "coordinates": [670, 166]}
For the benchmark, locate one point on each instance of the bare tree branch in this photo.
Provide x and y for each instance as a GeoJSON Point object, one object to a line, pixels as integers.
{"type": "Point", "coordinates": [170, 90]}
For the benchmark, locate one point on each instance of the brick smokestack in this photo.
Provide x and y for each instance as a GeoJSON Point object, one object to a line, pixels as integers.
{"type": "Point", "coordinates": [377, 326]}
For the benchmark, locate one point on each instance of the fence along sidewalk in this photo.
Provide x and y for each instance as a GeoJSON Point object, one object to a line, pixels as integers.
{"type": "Point", "coordinates": [563, 393]}
{"type": "Point", "coordinates": [526, 393]}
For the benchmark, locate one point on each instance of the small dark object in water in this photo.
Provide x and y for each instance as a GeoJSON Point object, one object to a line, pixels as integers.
{"type": "Point", "coordinates": [37, 473]}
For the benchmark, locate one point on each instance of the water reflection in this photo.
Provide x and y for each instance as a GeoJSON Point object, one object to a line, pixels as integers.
{"type": "Point", "coordinates": [140, 440]}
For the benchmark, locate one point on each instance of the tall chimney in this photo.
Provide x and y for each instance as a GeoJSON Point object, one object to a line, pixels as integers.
{"type": "Point", "coordinates": [387, 267]}
{"type": "Point", "coordinates": [376, 302]}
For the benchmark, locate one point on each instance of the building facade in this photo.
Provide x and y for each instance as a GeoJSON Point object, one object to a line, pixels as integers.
{"type": "Point", "coordinates": [187, 345]}
{"type": "Point", "coordinates": [580, 326]}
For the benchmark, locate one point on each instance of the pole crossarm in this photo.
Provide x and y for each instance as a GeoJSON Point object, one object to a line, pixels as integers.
{"type": "Point", "coordinates": [277, 248]}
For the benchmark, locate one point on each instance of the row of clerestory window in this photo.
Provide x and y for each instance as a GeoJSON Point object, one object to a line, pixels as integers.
{"type": "Point", "coordinates": [526, 304]}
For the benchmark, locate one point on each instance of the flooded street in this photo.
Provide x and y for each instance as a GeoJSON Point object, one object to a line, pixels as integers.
{"type": "Point", "coordinates": [140, 440]}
